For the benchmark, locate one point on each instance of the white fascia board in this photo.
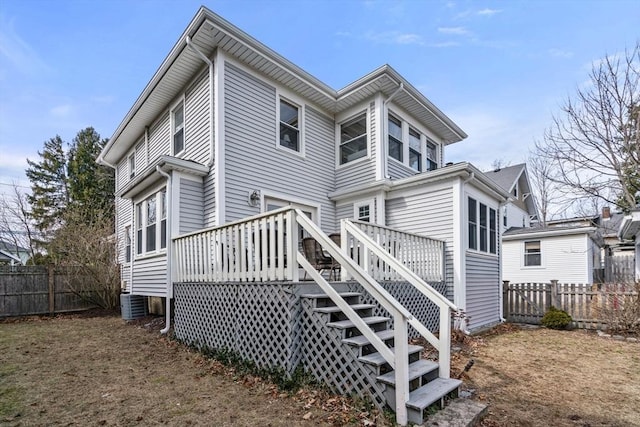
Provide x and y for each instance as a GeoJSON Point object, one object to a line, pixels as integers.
{"type": "Point", "coordinates": [630, 226]}
{"type": "Point", "coordinates": [549, 233]}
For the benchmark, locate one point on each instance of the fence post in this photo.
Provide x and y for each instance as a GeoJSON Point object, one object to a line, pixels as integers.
{"type": "Point", "coordinates": [52, 294]}
{"type": "Point", "coordinates": [505, 299]}
{"type": "Point", "coordinates": [554, 295]}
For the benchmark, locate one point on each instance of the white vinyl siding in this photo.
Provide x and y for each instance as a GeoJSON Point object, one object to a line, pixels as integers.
{"type": "Point", "coordinates": [482, 290]}
{"type": "Point", "coordinates": [150, 276]}
{"type": "Point", "coordinates": [123, 207]}
{"type": "Point", "coordinates": [564, 258]}
{"type": "Point", "coordinates": [399, 170]}
{"type": "Point", "coordinates": [429, 214]}
{"type": "Point", "coordinates": [197, 120]}
{"type": "Point", "coordinates": [252, 161]}
{"type": "Point", "coordinates": [191, 206]}
{"type": "Point", "coordinates": [159, 139]}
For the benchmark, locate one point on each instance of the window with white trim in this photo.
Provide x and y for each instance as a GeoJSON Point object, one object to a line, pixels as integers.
{"type": "Point", "coordinates": [353, 139]}
{"type": "Point", "coordinates": [127, 243]}
{"type": "Point", "coordinates": [532, 253]}
{"type": "Point", "coordinates": [432, 156]}
{"type": "Point", "coordinates": [362, 211]}
{"type": "Point", "coordinates": [148, 213]}
{"type": "Point", "coordinates": [132, 165]}
{"type": "Point", "coordinates": [395, 138]}
{"type": "Point", "coordinates": [415, 152]}
{"type": "Point", "coordinates": [482, 232]}
{"type": "Point", "coordinates": [177, 121]}
{"type": "Point", "coordinates": [289, 126]}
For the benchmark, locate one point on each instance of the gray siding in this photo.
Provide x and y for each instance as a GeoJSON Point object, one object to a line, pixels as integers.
{"type": "Point", "coordinates": [141, 156]}
{"type": "Point", "coordinates": [363, 171]}
{"type": "Point", "coordinates": [159, 138]}
{"type": "Point", "coordinates": [210, 199]}
{"type": "Point", "coordinates": [197, 143]}
{"type": "Point", "coordinates": [429, 214]}
{"type": "Point", "coordinates": [150, 276]}
{"type": "Point", "coordinates": [252, 160]}
{"type": "Point", "coordinates": [123, 173]}
{"type": "Point", "coordinates": [191, 206]}
{"type": "Point", "coordinates": [397, 170]}
{"type": "Point", "coordinates": [123, 206]}
{"type": "Point", "coordinates": [344, 211]}
{"type": "Point", "coordinates": [483, 290]}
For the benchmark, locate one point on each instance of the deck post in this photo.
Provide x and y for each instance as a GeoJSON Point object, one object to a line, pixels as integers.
{"type": "Point", "coordinates": [401, 340]}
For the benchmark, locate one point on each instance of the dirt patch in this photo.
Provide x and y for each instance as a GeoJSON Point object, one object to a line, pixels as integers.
{"type": "Point", "coordinates": [98, 370]}
{"type": "Point", "coordinates": [541, 377]}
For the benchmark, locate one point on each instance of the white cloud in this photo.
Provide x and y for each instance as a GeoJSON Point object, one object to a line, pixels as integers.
{"type": "Point", "coordinates": [488, 12]}
{"type": "Point", "coordinates": [453, 30]}
{"type": "Point", "coordinates": [394, 37]}
{"type": "Point", "coordinates": [61, 111]}
{"type": "Point", "coordinates": [17, 52]}
{"type": "Point", "coordinates": [558, 53]}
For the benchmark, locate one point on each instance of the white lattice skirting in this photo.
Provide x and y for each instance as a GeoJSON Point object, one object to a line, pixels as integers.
{"type": "Point", "coordinates": [271, 325]}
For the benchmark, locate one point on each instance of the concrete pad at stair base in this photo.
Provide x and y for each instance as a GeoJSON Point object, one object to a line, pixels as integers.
{"type": "Point", "coordinates": [458, 413]}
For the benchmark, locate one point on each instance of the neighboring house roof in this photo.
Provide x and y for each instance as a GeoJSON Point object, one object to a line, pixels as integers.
{"type": "Point", "coordinates": [9, 251]}
{"type": "Point", "coordinates": [541, 232]}
{"type": "Point", "coordinates": [509, 177]}
{"type": "Point", "coordinates": [630, 225]}
{"type": "Point", "coordinates": [208, 32]}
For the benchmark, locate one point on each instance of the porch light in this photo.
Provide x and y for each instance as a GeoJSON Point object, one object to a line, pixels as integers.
{"type": "Point", "coordinates": [254, 198]}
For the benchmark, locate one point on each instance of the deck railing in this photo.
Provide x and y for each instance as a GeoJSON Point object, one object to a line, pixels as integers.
{"type": "Point", "coordinates": [422, 255]}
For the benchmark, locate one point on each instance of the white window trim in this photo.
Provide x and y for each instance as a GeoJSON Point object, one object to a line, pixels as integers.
{"type": "Point", "coordinates": [297, 102]}
{"type": "Point", "coordinates": [343, 118]}
{"type": "Point", "coordinates": [131, 233]}
{"type": "Point", "coordinates": [524, 254]}
{"type": "Point", "coordinates": [131, 161]}
{"type": "Point", "coordinates": [409, 121]}
{"type": "Point", "coordinates": [404, 131]}
{"type": "Point", "coordinates": [481, 200]}
{"type": "Point", "coordinates": [181, 101]}
{"type": "Point", "coordinates": [294, 202]}
{"type": "Point", "coordinates": [361, 203]}
{"type": "Point", "coordinates": [141, 200]}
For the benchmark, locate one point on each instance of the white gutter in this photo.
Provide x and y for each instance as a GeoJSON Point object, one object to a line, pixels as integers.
{"type": "Point", "coordinates": [211, 101]}
{"type": "Point", "coordinates": [384, 137]}
{"type": "Point", "coordinates": [169, 251]}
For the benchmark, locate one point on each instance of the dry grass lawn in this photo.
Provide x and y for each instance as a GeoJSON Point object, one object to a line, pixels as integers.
{"type": "Point", "coordinates": [79, 370]}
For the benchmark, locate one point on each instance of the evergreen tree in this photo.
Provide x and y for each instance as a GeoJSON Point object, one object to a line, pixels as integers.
{"type": "Point", "coordinates": [49, 186]}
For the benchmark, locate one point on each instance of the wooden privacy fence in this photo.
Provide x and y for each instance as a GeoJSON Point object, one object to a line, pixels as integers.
{"type": "Point", "coordinates": [30, 290]}
{"type": "Point", "coordinates": [585, 303]}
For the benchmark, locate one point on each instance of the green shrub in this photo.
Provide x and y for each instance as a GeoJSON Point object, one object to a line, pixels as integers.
{"type": "Point", "coordinates": [556, 319]}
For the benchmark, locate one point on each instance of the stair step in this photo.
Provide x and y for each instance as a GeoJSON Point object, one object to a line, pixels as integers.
{"type": "Point", "coordinates": [323, 300]}
{"type": "Point", "coordinates": [336, 309]}
{"type": "Point", "coordinates": [361, 340]}
{"type": "Point", "coordinates": [416, 370]}
{"type": "Point", "coordinates": [431, 392]}
{"type": "Point", "coordinates": [376, 359]}
{"type": "Point", "coordinates": [346, 324]}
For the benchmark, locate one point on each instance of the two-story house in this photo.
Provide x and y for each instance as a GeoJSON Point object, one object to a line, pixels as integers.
{"type": "Point", "coordinates": [227, 129]}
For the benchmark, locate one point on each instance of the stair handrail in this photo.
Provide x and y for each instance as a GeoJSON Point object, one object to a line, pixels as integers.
{"type": "Point", "coordinates": [446, 307]}
{"type": "Point", "coordinates": [398, 361]}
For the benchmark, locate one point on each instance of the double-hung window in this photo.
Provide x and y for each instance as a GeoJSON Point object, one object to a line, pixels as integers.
{"type": "Point", "coordinates": [289, 125]}
{"type": "Point", "coordinates": [178, 129]}
{"type": "Point", "coordinates": [532, 253]}
{"type": "Point", "coordinates": [132, 165]}
{"type": "Point", "coordinates": [353, 139]}
{"type": "Point", "coordinates": [395, 138]}
{"type": "Point", "coordinates": [127, 244]}
{"type": "Point", "coordinates": [482, 227]}
{"type": "Point", "coordinates": [151, 223]}
{"type": "Point", "coordinates": [432, 156]}
{"type": "Point", "coordinates": [415, 154]}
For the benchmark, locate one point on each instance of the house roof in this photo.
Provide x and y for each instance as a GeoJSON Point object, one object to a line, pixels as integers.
{"type": "Point", "coordinates": [10, 247]}
{"type": "Point", "coordinates": [463, 170]}
{"type": "Point", "coordinates": [630, 225]}
{"type": "Point", "coordinates": [518, 233]}
{"type": "Point", "coordinates": [508, 177]}
{"type": "Point", "coordinates": [209, 33]}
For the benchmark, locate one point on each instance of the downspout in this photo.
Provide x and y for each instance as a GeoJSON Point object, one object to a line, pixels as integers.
{"type": "Point", "coordinates": [384, 136]}
{"type": "Point", "coordinates": [211, 101]}
{"type": "Point", "coordinates": [464, 325]}
{"type": "Point", "coordinates": [169, 251]}
{"type": "Point", "coordinates": [501, 299]}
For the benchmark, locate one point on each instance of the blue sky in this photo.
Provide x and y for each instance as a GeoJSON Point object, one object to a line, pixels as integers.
{"type": "Point", "coordinates": [499, 69]}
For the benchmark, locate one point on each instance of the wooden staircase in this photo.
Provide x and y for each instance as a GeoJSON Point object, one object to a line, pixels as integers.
{"type": "Point", "coordinates": [426, 388]}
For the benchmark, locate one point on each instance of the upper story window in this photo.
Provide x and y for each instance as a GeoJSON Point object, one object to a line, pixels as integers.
{"type": "Point", "coordinates": [432, 156]}
{"type": "Point", "coordinates": [353, 139]}
{"type": "Point", "coordinates": [395, 138]}
{"type": "Point", "coordinates": [532, 253]}
{"type": "Point", "coordinates": [132, 165]}
{"type": "Point", "coordinates": [178, 129]}
{"type": "Point", "coordinates": [148, 233]}
{"type": "Point", "coordinates": [289, 125]}
{"type": "Point", "coordinates": [482, 227]}
{"type": "Point", "coordinates": [415, 152]}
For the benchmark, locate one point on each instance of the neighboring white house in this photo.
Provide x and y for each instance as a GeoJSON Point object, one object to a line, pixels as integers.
{"type": "Point", "coordinates": [12, 254]}
{"type": "Point", "coordinates": [227, 128]}
{"type": "Point", "coordinates": [541, 254]}
{"type": "Point", "coordinates": [520, 210]}
{"type": "Point", "coordinates": [630, 231]}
